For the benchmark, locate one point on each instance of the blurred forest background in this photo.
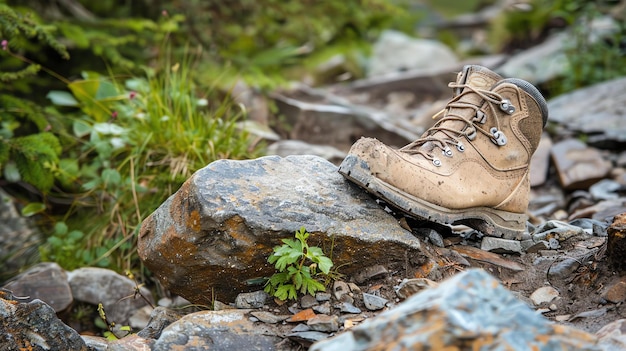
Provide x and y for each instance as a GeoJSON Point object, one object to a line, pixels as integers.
{"type": "Point", "coordinates": [106, 107]}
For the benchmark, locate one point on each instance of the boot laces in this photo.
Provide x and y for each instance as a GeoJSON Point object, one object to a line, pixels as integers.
{"type": "Point", "coordinates": [444, 137]}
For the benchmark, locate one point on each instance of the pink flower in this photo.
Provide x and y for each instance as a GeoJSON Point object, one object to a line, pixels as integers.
{"type": "Point", "coordinates": [132, 95]}
{"type": "Point", "coordinates": [48, 128]}
{"type": "Point", "coordinates": [5, 44]}
{"type": "Point", "coordinates": [164, 12]}
{"type": "Point", "coordinates": [114, 115]}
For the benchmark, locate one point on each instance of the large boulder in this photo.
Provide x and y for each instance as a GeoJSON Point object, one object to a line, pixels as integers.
{"type": "Point", "coordinates": [217, 231]}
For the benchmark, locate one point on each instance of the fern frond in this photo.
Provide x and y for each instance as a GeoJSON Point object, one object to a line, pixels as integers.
{"type": "Point", "coordinates": [34, 155]}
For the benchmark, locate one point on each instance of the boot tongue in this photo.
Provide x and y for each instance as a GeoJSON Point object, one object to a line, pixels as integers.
{"type": "Point", "coordinates": [477, 77]}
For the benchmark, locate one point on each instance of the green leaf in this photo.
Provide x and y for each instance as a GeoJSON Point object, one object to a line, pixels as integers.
{"type": "Point", "coordinates": [76, 235]}
{"type": "Point", "coordinates": [60, 228]}
{"type": "Point", "coordinates": [283, 261]}
{"type": "Point", "coordinates": [62, 98]}
{"type": "Point", "coordinates": [314, 252]}
{"type": "Point", "coordinates": [11, 172]}
{"type": "Point", "coordinates": [33, 208]}
{"type": "Point", "coordinates": [111, 176]}
{"type": "Point", "coordinates": [325, 264]}
{"type": "Point", "coordinates": [297, 280]}
{"type": "Point", "coordinates": [81, 128]}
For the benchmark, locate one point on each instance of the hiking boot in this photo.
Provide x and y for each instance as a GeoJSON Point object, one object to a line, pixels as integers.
{"type": "Point", "coordinates": [471, 167]}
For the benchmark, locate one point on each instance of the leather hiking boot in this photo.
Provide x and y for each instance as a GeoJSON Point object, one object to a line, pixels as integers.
{"type": "Point", "coordinates": [471, 167]}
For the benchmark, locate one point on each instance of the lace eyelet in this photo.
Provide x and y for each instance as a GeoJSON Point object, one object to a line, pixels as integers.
{"type": "Point", "coordinates": [437, 162]}
{"type": "Point", "coordinates": [506, 106]}
{"type": "Point", "coordinates": [498, 136]}
{"type": "Point", "coordinates": [471, 133]}
{"type": "Point", "coordinates": [447, 152]}
{"type": "Point", "coordinates": [460, 147]}
{"type": "Point", "coordinates": [480, 117]}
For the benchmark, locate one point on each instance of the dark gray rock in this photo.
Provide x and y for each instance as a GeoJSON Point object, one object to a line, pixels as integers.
{"type": "Point", "coordinates": [578, 165]}
{"type": "Point", "coordinates": [115, 291]}
{"type": "Point", "coordinates": [160, 317]}
{"type": "Point", "coordinates": [34, 326]}
{"type": "Point", "coordinates": [218, 230]}
{"type": "Point", "coordinates": [602, 107]}
{"type": "Point", "coordinates": [255, 299]}
{"type": "Point", "coordinates": [471, 310]}
{"type": "Point", "coordinates": [19, 239]}
{"type": "Point", "coordinates": [45, 281]}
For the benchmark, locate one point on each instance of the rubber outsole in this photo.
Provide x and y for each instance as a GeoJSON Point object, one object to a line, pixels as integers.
{"type": "Point", "coordinates": [489, 221]}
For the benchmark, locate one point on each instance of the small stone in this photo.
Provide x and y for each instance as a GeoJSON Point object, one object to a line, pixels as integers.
{"type": "Point", "coordinates": [160, 317]}
{"type": "Point", "coordinates": [322, 308]}
{"type": "Point", "coordinates": [300, 328]}
{"type": "Point", "coordinates": [308, 301]}
{"type": "Point", "coordinates": [373, 302]}
{"type": "Point", "coordinates": [499, 245]}
{"type": "Point", "coordinates": [553, 307]}
{"type": "Point", "coordinates": [303, 315]}
{"type": "Point", "coordinates": [578, 165]}
{"type": "Point", "coordinates": [410, 287]}
{"type": "Point", "coordinates": [543, 295]}
{"type": "Point", "coordinates": [530, 246]}
{"type": "Point", "coordinates": [563, 269]}
{"type": "Point", "coordinates": [322, 296]}
{"type": "Point", "coordinates": [371, 272]}
{"type": "Point", "coordinates": [354, 288]}
{"type": "Point", "coordinates": [617, 292]}
{"type": "Point", "coordinates": [219, 306]}
{"type": "Point", "coordinates": [268, 317]}
{"type": "Point", "coordinates": [340, 289]}
{"type": "Point", "coordinates": [347, 307]}
{"type": "Point", "coordinates": [254, 299]}
{"type": "Point", "coordinates": [324, 323]}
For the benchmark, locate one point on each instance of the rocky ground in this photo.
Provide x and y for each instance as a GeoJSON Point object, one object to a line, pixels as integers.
{"type": "Point", "coordinates": [566, 269]}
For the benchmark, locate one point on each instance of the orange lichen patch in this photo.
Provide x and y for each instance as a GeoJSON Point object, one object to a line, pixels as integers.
{"type": "Point", "coordinates": [236, 228]}
{"type": "Point", "coordinates": [301, 316]}
{"type": "Point", "coordinates": [193, 221]}
{"type": "Point", "coordinates": [424, 270]}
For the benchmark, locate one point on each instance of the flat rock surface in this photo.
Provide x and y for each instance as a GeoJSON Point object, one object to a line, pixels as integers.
{"type": "Point", "coordinates": [217, 231]}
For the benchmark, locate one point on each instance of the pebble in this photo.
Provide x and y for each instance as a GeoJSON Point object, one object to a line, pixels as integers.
{"type": "Point", "coordinates": [373, 302]}
{"type": "Point", "coordinates": [340, 289]}
{"type": "Point", "coordinates": [371, 272]}
{"type": "Point", "coordinates": [255, 299]}
{"type": "Point", "coordinates": [617, 292]}
{"type": "Point", "coordinates": [268, 317]}
{"type": "Point", "coordinates": [410, 287]}
{"type": "Point", "coordinates": [499, 245]}
{"type": "Point", "coordinates": [544, 295]}
{"type": "Point", "coordinates": [324, 323]}
{"type": "Point", "coordinates": [323, 308]}
{"type": "Point", "coordinates": [308, 301]}
{"type": "Point", "coordinates": [347, 307]}
{"type": "Point", "coordinates": [322, 296]}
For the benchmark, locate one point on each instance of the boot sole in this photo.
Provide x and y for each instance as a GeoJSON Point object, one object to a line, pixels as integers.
{"type": "Point", "coordinates": [489, 221]}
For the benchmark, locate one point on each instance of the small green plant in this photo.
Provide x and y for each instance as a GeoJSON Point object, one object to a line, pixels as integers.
{"type": "Point", "coordinates": [299, 267]}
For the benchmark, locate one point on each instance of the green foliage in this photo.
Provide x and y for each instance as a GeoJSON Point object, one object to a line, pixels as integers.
{"type": "Point", "coordinates": [265, 41]}
{"type": "Point", "coordinates": [18, 30]}
{"type": "Point", "coordinates": [291, 259]}
{"type": "Point", "coordinates": [135, 142]}
{"type": "Point", "coordinates": [593, 60]}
